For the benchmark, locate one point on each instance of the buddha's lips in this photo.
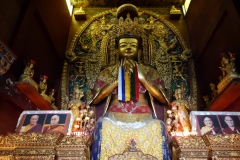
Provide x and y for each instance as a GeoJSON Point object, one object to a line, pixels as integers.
{"type": "Point", "coordinates": [128, 52]}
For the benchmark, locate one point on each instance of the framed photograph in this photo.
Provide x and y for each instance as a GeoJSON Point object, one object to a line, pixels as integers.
{"type": "Point", "coordinates": [208, 125]}
{"type": "Point", "coordinates": [45, 122]}
{"type": "Point", "coordinates": [230, 124]}
{"type": "Point", "coordinates": [212, 123]}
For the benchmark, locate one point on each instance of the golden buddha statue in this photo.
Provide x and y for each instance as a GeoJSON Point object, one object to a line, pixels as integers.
{"type": "Point", "coordinates": [128, 69]}
{"type": "Point", "coordinates": [42, 87]}
{"type": "Point", "coordinates": [75, 103]}
{"type": "Point", "coordinates": [213, 89]}
{"type": "Point", "coordinates": [228, 70]}
{"type": "Point", "coordinates": [228, 65]}
{"type": "Point", "coordinates": [206, 99]}
{"type": "Point", "coordinates": [28, 74]}
{"type": "Point", "coordinates": [181, 114]}
{"type": "Point", "coordinates": [128, 83]}
{"type": "Point", "coordinates": [52, 99]}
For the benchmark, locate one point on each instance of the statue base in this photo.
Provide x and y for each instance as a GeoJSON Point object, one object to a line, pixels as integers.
{"type": "Point", "coordinates": [32, 146]}
{"type": "Point", "coordinates": [207, 147]}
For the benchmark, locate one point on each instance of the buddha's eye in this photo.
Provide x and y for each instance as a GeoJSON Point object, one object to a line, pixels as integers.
{"type": "Point", "coordinates": [123, 45]}
{"type": "Point", "coordinates": [134, 45]}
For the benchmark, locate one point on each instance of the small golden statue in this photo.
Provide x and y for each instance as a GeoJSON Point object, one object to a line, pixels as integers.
{"type": "Point", "coordinates": [181, 114]}
{"type": "Point", "coordinates": [52, 99]}
{"type": "Point", "coordinates": [43, 87]}
{"type": "Point", "coordinates": [80, 10]}
{"type": "Point", "coordinates": [174, 10]}
{"type": "Point", "coordinates": [206, 99]}
{"type": "Point", "coordinates": [214, 90]}
{"type": "Point", "coordinates": [228, 65]}
{"type": "Point", "coordinates": [28, 75]}
{"type": "Point", "coordinates": [228, 70]}
{"type": "Point", "coordinates": [76, 102]}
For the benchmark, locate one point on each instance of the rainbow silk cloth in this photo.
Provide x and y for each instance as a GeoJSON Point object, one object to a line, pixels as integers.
{"type": "Point", "coordinates": [128, 85]}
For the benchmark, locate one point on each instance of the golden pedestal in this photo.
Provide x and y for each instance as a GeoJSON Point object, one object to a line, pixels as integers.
{"type": "Point", "coordinates": [223, 146]}
{"type": "Point", "coordinates": [6, 148]}
{"type": "Point", "coordinates": [72, 147]}
{"type": "Point", "coordinates": [35, 145]}
{"type": "Point", "coordinates": [218, 147]}
{"type": "Point", "coordinates": [32, 146]}
{"type": "Point", "coordinates": [189, 148]}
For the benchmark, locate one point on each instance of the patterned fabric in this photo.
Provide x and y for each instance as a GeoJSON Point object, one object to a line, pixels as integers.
{"type": "Point", "coordinates": [123, 117]}
{"type": "Point", "coordinates": [112, 138]}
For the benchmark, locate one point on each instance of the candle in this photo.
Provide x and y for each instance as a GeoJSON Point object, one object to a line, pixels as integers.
{"type": "Point", "coordinates": [76, 126]}
{"type": "Point", "coordinates": [78, 119]}
{"type": "Point", "coordinates": [169, 111]}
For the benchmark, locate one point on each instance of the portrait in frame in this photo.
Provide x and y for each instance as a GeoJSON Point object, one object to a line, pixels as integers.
{"type": "Point", "coordinates": [208, 125]}
{"type": "Point", "coordinates": [32, 123]}
{"type": "Point", "coordinates": [50, 121]}
{"type": "Point", "coordinates": [55, 123]}
{"type": "Point", "coordinates": [213, 122]}
{"type": "Point", "coordinates": [230, 124]}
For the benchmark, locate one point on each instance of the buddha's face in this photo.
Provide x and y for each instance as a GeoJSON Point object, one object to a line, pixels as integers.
{"type": "Point", "coordinates": [128, 48]}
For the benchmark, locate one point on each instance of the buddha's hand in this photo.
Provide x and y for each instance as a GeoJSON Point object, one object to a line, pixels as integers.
{"type": "Point", "coordinates": [128, 65]}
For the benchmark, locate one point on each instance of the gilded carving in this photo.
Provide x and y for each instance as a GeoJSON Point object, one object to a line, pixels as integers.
{"type": "Point", "coordinates": [31, 157]}
{"type": "Point", "coordinates": [29, 146]}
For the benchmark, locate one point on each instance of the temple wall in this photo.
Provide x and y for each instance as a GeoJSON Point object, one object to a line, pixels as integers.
{"type": "Point", "coordinates": [213, 27]}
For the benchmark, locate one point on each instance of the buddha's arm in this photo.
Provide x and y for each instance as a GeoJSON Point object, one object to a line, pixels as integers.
{"type": "Point", "coordinates": [151, 87]}
{"type": "Point", "coordinates": [104, 92]}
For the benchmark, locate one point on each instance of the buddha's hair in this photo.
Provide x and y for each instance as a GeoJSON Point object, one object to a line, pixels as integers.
{"type": "Point", "coordinates": [128, 36]}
